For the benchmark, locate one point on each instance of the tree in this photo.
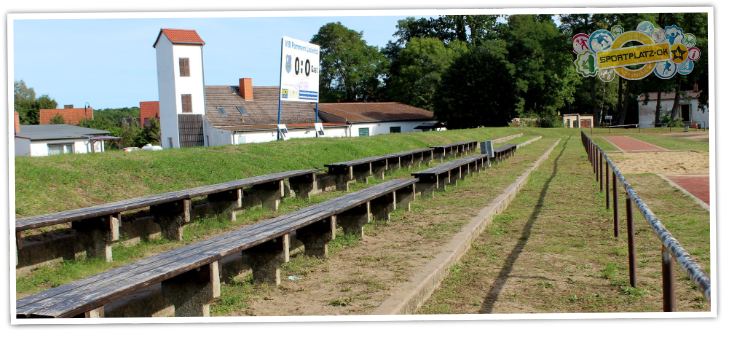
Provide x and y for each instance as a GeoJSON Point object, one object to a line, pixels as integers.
{"type": "Point", "coordinates": [27, 105]}
{"type": "Point", "coordinates": [148, 134]}
{"type": "Point", "coordinates": [421, 66]}
{"type": "Point", "coordinates": [57, 119]}
{"type": "Point", "coordinates": [478, 89]}
{"type": "Point", "coordinates": [129, 134]}
{"type": "Point", "coordinates": [350, 69]}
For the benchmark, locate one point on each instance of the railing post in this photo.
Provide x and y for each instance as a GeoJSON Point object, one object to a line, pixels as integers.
{"type": "Point", "coordinates": [600, 171]}
{"type": "Point", "coordinates": [669, 281]}
{"type": "Point", "coordinates": [631, 238]}
{"type": "Point", "coordinates": [616, 230]}
{"type": "Point", "coordinates": [607, 186]}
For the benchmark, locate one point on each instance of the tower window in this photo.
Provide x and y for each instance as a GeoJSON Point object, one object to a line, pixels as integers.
{"type": "Point", "coordinates": [184, 67]}
{"type": "Point", "coordinates": [187, 103]}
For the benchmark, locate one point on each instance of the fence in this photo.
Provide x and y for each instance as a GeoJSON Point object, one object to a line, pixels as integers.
{"type": "Point", "coordinates": [671, 248]}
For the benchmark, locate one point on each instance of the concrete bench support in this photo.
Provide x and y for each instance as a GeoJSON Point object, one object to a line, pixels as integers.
{"type": "Point", "coordinates": [266, 259]}
{"type": "Point", "coordinates": [439, 154]}
{"type": "Point", "coordinates": [316, 237]}
{"type": "Point", "coordinates": [304, 186]}
{"type": "Point", "coordinates": [362, 172]}
{"type": "Point", "coordinates": [443, 180]}
{"type": "Point", "coordinates": [454, 176]}
{"type": "Point", "coordinates": [379, 168]}
{"type": "Point", "coordinates": [426, 185]}
{"type": "Point", "coordinates": [95, 236]}
{"type": "Point", "coordinates": [404, 196]}
{"type": "Point", "coordinates": [426, 157]}
{"type": "Point", "coordinates": [393, 164]}
{"type": "Point", "coordinates": [465, 171]}
{"type": "Point", "coordinates": [172, 217]}
{"type": "Point", "coordinates": [192, 292]}
{"type": "Point", "coordinates": [408, 161]}
{"type": "Point", "coordinates": [382, 206]}
{"type": "Point", "coordinates": [226, 202]}
{"type": "Point", "coordinates": [353, 220]}
{"type": "Point", "coordinates": [268, 195]}
{"type": "Point", "coordinates": [342, 177]}
{"type": "Point", "coordinates": [95, 313]}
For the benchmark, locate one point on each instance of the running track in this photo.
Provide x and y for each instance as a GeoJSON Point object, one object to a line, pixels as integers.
{"type": "Point", "coordinates": [630, 144]}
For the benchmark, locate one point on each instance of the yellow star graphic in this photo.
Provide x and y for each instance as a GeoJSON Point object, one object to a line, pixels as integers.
{"type": "Point", "coordinates": [678, 53]}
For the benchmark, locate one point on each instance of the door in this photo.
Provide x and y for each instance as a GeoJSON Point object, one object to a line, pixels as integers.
{"type": "Point", "coordinates": [686, 112]}
{"type": "Point", "coordinates": [585, 124]}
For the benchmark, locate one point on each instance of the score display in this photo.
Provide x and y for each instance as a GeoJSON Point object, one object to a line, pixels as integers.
{"type": "Point", "coordinates": [299, 71]}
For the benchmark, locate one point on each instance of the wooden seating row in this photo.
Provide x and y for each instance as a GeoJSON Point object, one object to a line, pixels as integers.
{"type": "Point", "coordinates": [457, 149]}
{"type": "Point", "coordinates": [190, 274]}
{"type": "Point", "coordinates": [361, 169]}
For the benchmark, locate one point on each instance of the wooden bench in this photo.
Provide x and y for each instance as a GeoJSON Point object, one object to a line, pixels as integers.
{"type": "Point", "coordinates": [436, 178]}
{"type": "Point", "coordinates": [359, 170]}
{"type": "Point", "coordinates": [97, 227]}
{"type": "Point", "coordinates": [503, 152]}
{"type": "Point", "coordinates": [457, 149]}
{"type": "Point", "coordinates": [189, 275]}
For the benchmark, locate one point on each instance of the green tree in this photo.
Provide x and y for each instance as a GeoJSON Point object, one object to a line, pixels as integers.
{"type": "Point", "coordinates": [57, 119]}
{"type": "Point", "coordinates": [479, 88]}
{"type": "Point", "coordinates": [421, 66]}
{"type": "Point", "coordinates": [148, 134]}
{"type": "Point", "coordinates": [129, 133]}
{"type": "Point", "coordinates": [350, 69]}
{"type": "Point", "coordinates": [27, 105]}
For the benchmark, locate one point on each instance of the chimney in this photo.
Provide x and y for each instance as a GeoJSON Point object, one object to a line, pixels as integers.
{"type": "Point", "coordinates": [245, 88]}
{"type": "Point", "coordinates": [696, 86]}
{"type": "Point", "coordinates": [17, 122]}
{"type": "Point", "coordinates": [68, 106]}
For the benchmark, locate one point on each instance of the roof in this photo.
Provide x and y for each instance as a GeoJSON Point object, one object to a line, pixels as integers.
{"type": "Point", "coordinates": [177, 36]}
{"type": "Point", "coordinates": [262, 110]}
{"type": "Point", "coordinates": [58, 132]}
{"type": "Point", "coordinates": [375, 111]}
{"type": "Point", "coordinates": [653, 96]}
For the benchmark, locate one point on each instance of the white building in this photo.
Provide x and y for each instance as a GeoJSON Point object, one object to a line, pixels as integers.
{"type": "Point", "coordinates": [689, 111]}
{"type": "Point", "coordinates": [53, 139]}
{"type": "Point", "coordinates": [193, 114]}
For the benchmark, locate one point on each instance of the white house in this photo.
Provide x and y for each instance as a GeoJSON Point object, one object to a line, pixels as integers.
{"type": "Point", "coordinates": [688, 108]}
{"type": "Point", "coordinates": [195, 114]}
{"type": "Point", "coordinates": [53, 139]}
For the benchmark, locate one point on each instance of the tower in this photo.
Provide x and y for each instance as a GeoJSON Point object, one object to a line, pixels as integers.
{"type": "Point", "coordinates": [181, 86]}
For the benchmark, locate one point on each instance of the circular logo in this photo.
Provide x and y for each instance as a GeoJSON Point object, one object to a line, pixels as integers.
{"type": "Point", "coordinates": [600, 41]}
{"type": "Point", "coordinates": [579, 43]}
{"type": "Point", "coordinates": [645, 27]}
{"type": "Point", "coordinates": [674, 34]}
{"type": "Point", "coordinates": [679, 53]}
{"type": "Point", "coordinates": [689, 40]}
{"type": "Point", "coordinates": [606, 75]}
{"type": "Point", "coordinates": [686, 67]}
{"type": "Point", "coordinates": [617, 30]}
{"type": "Point", "coordinates": [646, 69]}
{"type": "Point", "coordinates": [694, 53]}
{"type": "Point", "coordinates": [665, 69]}
{"type": "Point", "coordinates": [658, 35]}
{"type": "Point", "coordinates": [586, 64]}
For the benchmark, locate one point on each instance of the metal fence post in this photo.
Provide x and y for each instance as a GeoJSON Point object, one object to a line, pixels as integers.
{"type": "Point", "coordinates": [600, 172]}
{"type": "Point", "coordinates": [616, 228]}
{"type": "Point", "coordinates": [669, 280]}
{"type": "Point", "coordinates": [631, 238]}
{"type": "Point", "coordinates": [607, 186]}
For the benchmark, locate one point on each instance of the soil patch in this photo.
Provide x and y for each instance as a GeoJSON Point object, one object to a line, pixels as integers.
{"type": "Point", "coordinates": [662, 162]}
{"type": "Point", "coordinates": [702, 136]}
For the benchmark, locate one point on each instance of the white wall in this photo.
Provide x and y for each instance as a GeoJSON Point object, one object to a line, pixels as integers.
{"type": "Point", "coordinates": [80, 146]}
{"type": "Point", "coordinates": [268, 136]}
{"type": "Point", "coordinates": [647, 112]}
{"type": "Point", "coordinates": [215, 136]}
{"type": "Point", "coordinates": [384, 127]}
{"type": "Point", "coordinates": [171, 86]}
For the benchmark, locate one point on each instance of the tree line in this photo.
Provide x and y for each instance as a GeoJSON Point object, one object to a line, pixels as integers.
{"type": "Point", "coordinates": [474, 70]}
{"type": "Point", "coordinates": [28, 107]}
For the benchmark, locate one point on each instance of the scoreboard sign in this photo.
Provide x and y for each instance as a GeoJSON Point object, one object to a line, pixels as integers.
{"type": "Point", "coordinates": [299, 71]}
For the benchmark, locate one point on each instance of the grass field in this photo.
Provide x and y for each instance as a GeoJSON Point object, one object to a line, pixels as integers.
{"type": "Point", "coordinates": [551, 251]}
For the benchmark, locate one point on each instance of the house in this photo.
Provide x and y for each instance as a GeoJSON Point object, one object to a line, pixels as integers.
{"type": "Point", "coordinates": [148, 110]}
{"type": "Point", "coordinates": [53, 139]}
{"type": "Point", "coordinates": [577, 121]}
{"type": "Point", "coordinates": [193, 114]}
{"type": "Point", "coordinates": [688, 108]}
{"type": "Point", "coordinates": [70, 114]}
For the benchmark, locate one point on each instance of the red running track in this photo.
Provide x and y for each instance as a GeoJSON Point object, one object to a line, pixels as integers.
{"type": "Point", "coordinates": [630, 144]}
{"type": "Point", "coordinates": [696, 184]}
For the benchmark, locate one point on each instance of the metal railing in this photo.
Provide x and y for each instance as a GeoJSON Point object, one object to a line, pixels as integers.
{"type": "Point", "coordinates": [671, 250]}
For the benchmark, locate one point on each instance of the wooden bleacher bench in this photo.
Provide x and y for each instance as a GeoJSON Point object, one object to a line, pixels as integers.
{"type": "Point", "coordinates": [457, 149]}
{"type": "Point", "coordinates": [97, 227]}
{"type": "Point", "coordinates": [502, 152]}
{"type": "Point", "coordinates": [359, 170]}
{"type": "Point", "coordinates": [436, 178]}
{"type": "Point", "coordinates": [189, 275]}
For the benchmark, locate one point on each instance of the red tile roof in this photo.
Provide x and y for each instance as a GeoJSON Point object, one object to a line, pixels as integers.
{"type": "Point", "coordinates": [177, 36]}
{"type": "Point", "coordinates": [374, 111]}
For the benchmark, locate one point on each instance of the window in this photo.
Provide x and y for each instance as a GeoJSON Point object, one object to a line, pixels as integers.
{"type": "Point", "coordinates": [364, 131]}
{"type": "Point", "coordinates": [186, 103]}
{"type": "Point", "coordinates": [241, 110]}
{"type": "Point", "coordinates": [394, 130]}
{"type": "Point", "coordinates": [222, 111]}
{"type": "Point", "coordinates": [56, 149]}
{"type": "Point", "coordinates": [184, 67]}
